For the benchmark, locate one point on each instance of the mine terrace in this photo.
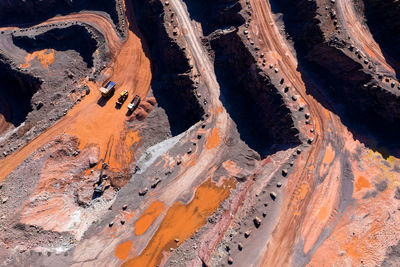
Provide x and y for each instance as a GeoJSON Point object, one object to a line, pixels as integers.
{"type": "Point", "coordinates": [199, 133]}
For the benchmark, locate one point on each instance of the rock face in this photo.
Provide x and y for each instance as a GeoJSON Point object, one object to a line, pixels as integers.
{"type": "Point", "coordinates": [330, 57]}
{"type": "Point", "coordinates": [215, 14]}
{"type": "Point", "coordinates": [62, 192]}
{"type": "Point", "coordinates": [252, 172]}
{"type": "Point", "coordinates": [28, 89]}
{"type": "Point", "coordinates": [247, 91]}
{"type": "Point", "coordinates": [383, 19]}
{"type": "Point", "coordinates": [172, 84]}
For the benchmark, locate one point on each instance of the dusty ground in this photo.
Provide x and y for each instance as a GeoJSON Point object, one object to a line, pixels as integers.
{"type": "Point", "coordinates": [270, 171]}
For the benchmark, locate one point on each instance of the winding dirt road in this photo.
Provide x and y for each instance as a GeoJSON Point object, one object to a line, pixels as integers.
{"type": "Point", "coordinates": [146, 251]}
{"type": "Point", "coordinates": [314, 211]}
{"type": "Point", "coordinates": [316, 198]}
{"type": "Point", "coordinates": [272, 42]}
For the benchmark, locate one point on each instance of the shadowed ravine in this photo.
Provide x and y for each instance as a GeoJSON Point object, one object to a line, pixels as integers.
{"type": "Point", "coordinates": [265, 135]}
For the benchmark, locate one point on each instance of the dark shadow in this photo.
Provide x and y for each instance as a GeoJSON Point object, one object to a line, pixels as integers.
{"type": "Point", "coordinates": [263, 121]}
{"type": "Point", "coordinates": [370, 113]}
{"type": "Point", "coordinates": [16, 90]}
{"type": "Point", "coordinates": [96, 195]}
{"type": "Point", "coordinates": [71, 38]}
{"type": "Point", "coordinates": [253, 103]}
{"type": "Point", "coordinates": [31, 12]}
{"type": "Point", "coordinates": [171, 84]}
{"type": "Point", "coordinates": [383, 20]}
{"type": "Point", "coordinates": [178, 101]}
{"type": "Point", "coordinates": [128, 113]}
{"type": "Point", "coordinates": [214, 15]}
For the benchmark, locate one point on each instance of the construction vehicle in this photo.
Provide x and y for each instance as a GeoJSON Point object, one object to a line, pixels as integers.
{"type": "Point", "coordinates": [101, 183]}
{"type": "Point", "coordinates": [108, 89]}
{"type": "Point", "coordinates": [122, 97]}
{"type": "Point", "coordinates": [99, 188]}
{"type": "Point", "coordinates": [134, 103]}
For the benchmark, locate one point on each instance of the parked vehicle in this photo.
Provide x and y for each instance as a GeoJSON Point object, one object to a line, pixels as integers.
{"type": "Point", "coordinates": [134, 103]}
{"type": "Point", "coordinates": [122, 97]}
{"type": "Point", "coordinates": [108, 89]}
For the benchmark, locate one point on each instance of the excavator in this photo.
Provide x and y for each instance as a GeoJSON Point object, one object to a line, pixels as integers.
{"type": "Point", "coordinates": [101, 183]}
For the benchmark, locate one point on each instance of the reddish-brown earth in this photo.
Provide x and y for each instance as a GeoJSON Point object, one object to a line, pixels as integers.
{"type": "Point", "coordinates": [323, 191]}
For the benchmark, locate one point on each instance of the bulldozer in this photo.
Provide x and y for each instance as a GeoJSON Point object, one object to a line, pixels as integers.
{"type": "Point", "coordinates": [122, 97]}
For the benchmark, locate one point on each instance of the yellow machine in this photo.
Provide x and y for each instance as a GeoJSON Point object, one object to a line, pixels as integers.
{"type": "Point", "coordinates": [122, 97]}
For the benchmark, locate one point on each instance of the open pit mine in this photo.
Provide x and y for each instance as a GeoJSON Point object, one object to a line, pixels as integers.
{"type": "Point", "coordinates": [199, 133]}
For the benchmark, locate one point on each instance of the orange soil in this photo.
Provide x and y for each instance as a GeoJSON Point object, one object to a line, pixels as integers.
{"type": "Point", "coordinates": [369, 225]}
{"type": "Point", "coordinates": [92, 123]}
{"type": "Point", "coordinates": [148, 217]}
{"type": "Point", "coordinates": [91, 126]}
{"type": "Point", "coordinates": [213, 140]}
{"type": "Point", "coordinates": [131, 139]}
{"type": "Point", "coordinates": [181, 221]}
{"type": "Point", "coordinates": [361, 183]}
{"type": "Point", "coordinates": [327, 160]}
{"type": "Point", "coordinates": [301, 183]}
{"type": "Point", "coordinates": [122, 251]}
{"type": "Point", "coordinates": [329, 155]}
{"type": "Point", "coordinates": [46, 57]}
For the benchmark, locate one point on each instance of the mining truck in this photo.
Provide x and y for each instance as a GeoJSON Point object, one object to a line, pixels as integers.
{"type": "Point", "coordinates": [134, 103]}
{"type": "Point", "coordinates": [108, 89]}
{"type": "Point", "coordinates": [122, 97]}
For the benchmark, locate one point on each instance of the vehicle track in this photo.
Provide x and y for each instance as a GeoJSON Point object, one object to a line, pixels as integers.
{"type": "Point", "coordinates": [283, 247]}
{"type": "Point", "coordinates": [125, 54]}
{"type": "Point", "coordinates": [191, 177]}
{"type": "Point", "coordinates": [86, 119]}
{"type": "Point", "coordinates": [328, 128]}
{"type": "Point", "coordinates": [278, 251]}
